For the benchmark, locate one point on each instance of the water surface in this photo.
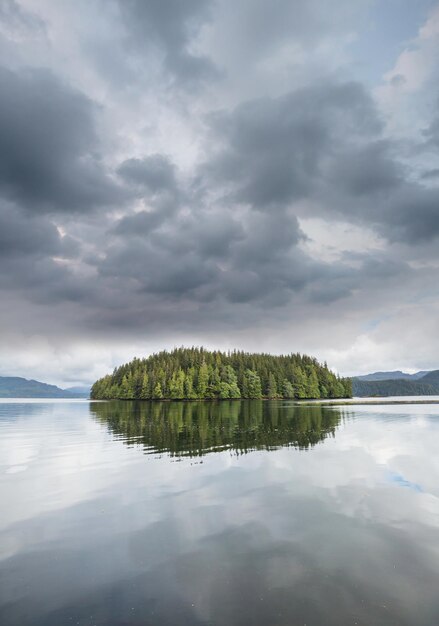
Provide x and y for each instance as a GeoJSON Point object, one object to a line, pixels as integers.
{"type": "Point", "coordinates": [229, 513]}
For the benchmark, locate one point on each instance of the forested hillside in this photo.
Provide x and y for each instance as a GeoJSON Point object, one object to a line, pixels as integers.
{"type": "Point", "coordinates": [196, 373]}
{"type": "Point", "coordinates": [426, 386]}
{"type": "Point", "coordinates": [395, 375]}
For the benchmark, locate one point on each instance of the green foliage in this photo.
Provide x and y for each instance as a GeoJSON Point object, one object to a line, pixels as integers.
{"type": "Point", "coordinates": [203, 380]}
{"type": "Point", "coordinates": [395, 387]}
{"type": "Point", "coordinates": [287, 389]}
{"type": "Point", "coordinates": [252, 387]}
{"type": "Point", "coordinates": [272, 386]}
{"type": "Point", "coordinates": [157, 393]}
{"type": "Point", "coordinates": [195, 373]}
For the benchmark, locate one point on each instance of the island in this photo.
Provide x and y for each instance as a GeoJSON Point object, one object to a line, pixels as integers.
{"type": "Point", "coordinates": [199, 374]}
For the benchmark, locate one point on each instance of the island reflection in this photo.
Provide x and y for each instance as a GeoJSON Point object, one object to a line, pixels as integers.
{"type": "Point", "coordinates": [196, 428]}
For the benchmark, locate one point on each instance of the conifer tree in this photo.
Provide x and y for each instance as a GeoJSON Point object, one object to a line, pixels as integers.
{"type": "Point", "coordinates": [203, 381]}
{"type": "Point", "coordinates": [187, 373]}
{"type": "Point", "coordinates": [157, 393]}
{"type": "Point", "coordinates": [144, 394]}
{"type": "Point", "coordinates": [287, 389]}
{"type": "Point", "coordinates": [272, 386]}
{"type": "Point", "coordinates": [252, 385]}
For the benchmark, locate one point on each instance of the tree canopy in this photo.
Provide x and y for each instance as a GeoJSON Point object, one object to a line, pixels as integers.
{"type": "Point", "coordinates": [199, 374]}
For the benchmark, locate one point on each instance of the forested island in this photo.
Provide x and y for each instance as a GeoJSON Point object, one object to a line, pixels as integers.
{"type": "Point", "coordinates": [200, 374]}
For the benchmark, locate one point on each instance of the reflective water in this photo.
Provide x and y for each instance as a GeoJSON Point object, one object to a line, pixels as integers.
{"type": "Point", "coordinates": [232, 513]}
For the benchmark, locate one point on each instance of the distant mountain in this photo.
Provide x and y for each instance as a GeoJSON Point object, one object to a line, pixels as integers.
{"type": "Point", "coordinates": [427, 384]}
{"type": "Point", "coordinates": [431, 378]}
{"type": "Point", "coordinates": [397, 375]}
{"type": "Point", "coordinates": [16, 387]}
{"type": "Point", "coordinates": [79, 392]}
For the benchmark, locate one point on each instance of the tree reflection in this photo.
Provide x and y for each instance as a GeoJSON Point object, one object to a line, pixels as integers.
{"type": "Point", "coordinates": [197, 428]}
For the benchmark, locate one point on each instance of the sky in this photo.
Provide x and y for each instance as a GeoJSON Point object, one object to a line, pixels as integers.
{"type": "Point", "coordinates": [254, 175]}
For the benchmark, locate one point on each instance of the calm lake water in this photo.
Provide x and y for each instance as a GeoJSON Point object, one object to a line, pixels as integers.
{"type": "Point", "coordinates": [233, 513]}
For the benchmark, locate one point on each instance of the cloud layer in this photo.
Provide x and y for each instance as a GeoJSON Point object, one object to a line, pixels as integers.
{"type": "Point", "coordinates": [169, 176]}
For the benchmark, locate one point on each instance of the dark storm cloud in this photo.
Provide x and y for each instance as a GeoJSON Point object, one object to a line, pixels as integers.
{"type": "Point", "coordinates": [275, 149]}
{"type": "Point", "coordinates": [322, 144]}
{"type": "Point", "coordinates": [50, 150]}
{"type": "Point", "coordinates": [35, 257]}
{"type": "Point", "coordinates": [218, 256]}
{"type": "Point", "coordinates": [24, 236]}
{"type": "Point", "coordinates": [413, 215]}
{"type": "Point", "coordinates": [31, 237]}
{"type": "Point", "coordinates": [168, 28]}
{"type": "Point", "coordinates": [367, 170]}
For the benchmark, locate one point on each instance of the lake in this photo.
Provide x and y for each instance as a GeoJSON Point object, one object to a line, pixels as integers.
{"type": "Point", "coordinates": [229, 513]}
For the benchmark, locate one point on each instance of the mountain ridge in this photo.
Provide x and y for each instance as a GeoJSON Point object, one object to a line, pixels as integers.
{"type": "Point", "coordinates": [424, 383]}
{"type": "Point", "coordinates": [19, 387]}
{"type": "Point", "coordinates": [393, 375]}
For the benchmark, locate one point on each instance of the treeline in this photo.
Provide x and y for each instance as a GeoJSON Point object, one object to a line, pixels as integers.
{"type": "Point", "coordinates": [198, 374]}
{"type": "Point", "coordinates": [394, 387]}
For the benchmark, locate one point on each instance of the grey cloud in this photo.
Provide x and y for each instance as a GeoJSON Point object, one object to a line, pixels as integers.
{"type": "Point", "coordinates": [274, 150]}
{"type": "Point", "coordinates": [252, 25]}
{"type": "Point", "coordinates": [431, 133]}
{"type": "Point", "coordinates": [153, 178]}
{"type": "Point", "coordinates": [213, 256]}
{"type": "Point", "coordinates": [413, 216]}
{"type": "Point", "coordinates": [35, 258]}
{"type": "Point", "coordinates": [263, 50]}
{"type": "Point", "coordinates": [367, 170]}
{"type": "Point", "coordinates": [138, 224]}
{"type": "Point", "coordinates": [22, 237]}
{"type": "Point", "coordinates": [154, 269]}
{"type": "Point", "coordinates": [49, 159]}
{"type": "Point", "coordinates": [169, 28]}
{"type": "Point", "coordinates": [155, 172]}
{"type": "Point", "coordinates": [15, 18]}
{"type": "Point", "coordinates": [213, 234]}
{"type": "Point", "coordinates": [32, 237]}
{"type": "Point", "coordinates": [325, 145]}
{"type": "Point", "coordinates": [430, 174]}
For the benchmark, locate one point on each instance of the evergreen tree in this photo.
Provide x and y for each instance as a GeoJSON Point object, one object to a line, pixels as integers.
{"type": "Point", "coordinates": [157, 393]}
{"type": "Point", "coordinates": [272, 386]}
{"type": "Point", "coordinates": [126, 391]}
{"type": "Point", "coordinates": [189, 391]}
{"type": "Point", "coordinates": [312, 388]}
{"type": "Point", "coordinates": [197, 373]}
{"type": "Point", "coordinates": [299, 382]}
{"type": "Point", "coordinates": [203, 381]}
{"type": "Point", "coordinates": [287, 389]}
{"type": "Point", "coordinates": [230, 379]}
{"type": "Point", "coordinates": [144, 394]}
{"type": "Point", "coordinates": [176, 385]}
{"type": "Point", "coordinates": [252, 385]}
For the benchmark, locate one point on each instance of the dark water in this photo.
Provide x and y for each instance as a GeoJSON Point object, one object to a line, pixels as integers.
{"type": "Point", "coordinates": [237, 513]}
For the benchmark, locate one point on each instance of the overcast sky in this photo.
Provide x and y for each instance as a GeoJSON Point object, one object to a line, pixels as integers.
{"type": "Point", "coordinates": [253, 174]}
